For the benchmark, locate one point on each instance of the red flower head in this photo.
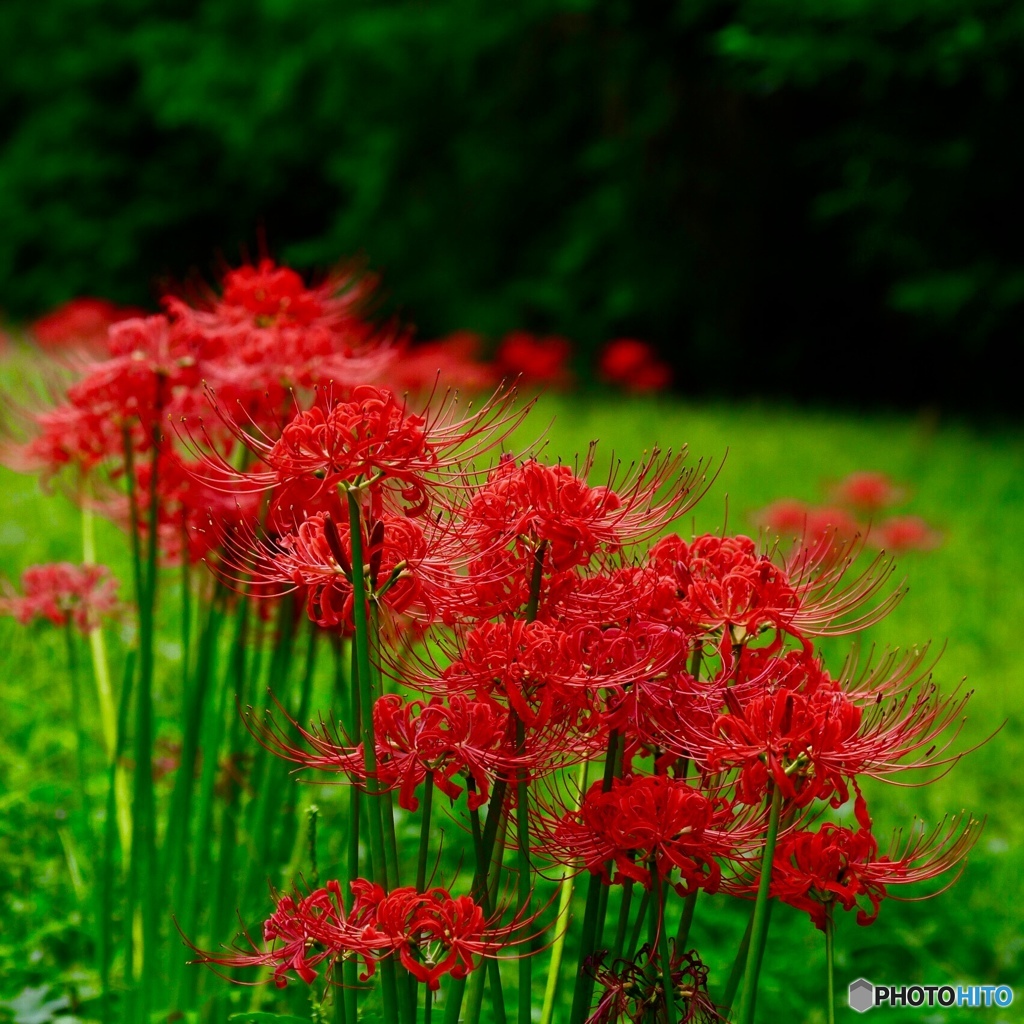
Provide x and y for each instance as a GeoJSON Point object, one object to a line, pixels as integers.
{"type": "Point", "coordinates": [905, 533]}
{"type": "Point", "coordinates": [633, 365]}
{"type": "Point", "coordinates": [371, 439]}
{"type": "Point", "coordinates": [305, 932]}
{"type": "Point", "coordinates": [868, 492]}
{"type": "Point", "coordinates": [435, 934]}
{"type": "Point", "coordinates": [642, 820]}
{"type": "Point", "coordinates": [80, 322]}
{"type": "Point", "coordinates": [442, 739]}
{"type": "Point", "coordinates": [269, 333]}
{"type": "Point", "coordinates": [790, 723]}
{"type": "Point", "coordinates": [64, 593]}
{"type": "Point", "coordinates": [526, 505]}
{"type": "Point", "coordinates": [724, 583]}
{"type": "Point", "coordinates": [534, 360]}
{"type": "Point", "coordinates": [815, 871]}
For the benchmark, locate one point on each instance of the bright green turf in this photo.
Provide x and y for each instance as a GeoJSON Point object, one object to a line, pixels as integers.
{"type": "Point", "coordinates": [967, 594]}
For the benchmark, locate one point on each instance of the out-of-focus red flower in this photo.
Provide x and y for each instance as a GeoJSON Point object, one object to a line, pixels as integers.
{"type": "Point", "coordinates": [61, 592]}
{"type": "Point", "coordinates": [905, 533]}
{"type": "Point", "coordinates": [534, 360]}
{"type": "Point", "coordinates": [82, 322]}
{"type": "Point", "coordinates": [868, 492]}
{"type": "Point", "coordinates": [819, 530]}
{"type": "Point", "coordinates": [452, 362]}
{"type": "Point", "coordinates": [633, 365]}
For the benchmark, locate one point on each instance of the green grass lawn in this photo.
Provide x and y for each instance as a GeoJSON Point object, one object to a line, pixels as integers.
{"type": "Point", "coordinates": [966, 595]}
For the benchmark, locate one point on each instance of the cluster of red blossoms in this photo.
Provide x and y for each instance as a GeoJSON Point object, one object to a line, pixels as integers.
{"type": "Point", "coordinates": [525, 620]}
{"type": "Point", "coordinates": [859, 508]}
{"type": "Point", "coordinates": [540, 634]}
{"type": "Point", "coordinates": [63, 594]}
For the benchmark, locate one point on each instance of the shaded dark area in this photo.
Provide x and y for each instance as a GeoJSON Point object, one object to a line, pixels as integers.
{"type": "Point", "coordinates": [787, 199]}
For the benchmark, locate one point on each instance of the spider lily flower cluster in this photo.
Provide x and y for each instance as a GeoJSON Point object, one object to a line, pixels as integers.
{"type": "Point", "coordinates": [603, 703]}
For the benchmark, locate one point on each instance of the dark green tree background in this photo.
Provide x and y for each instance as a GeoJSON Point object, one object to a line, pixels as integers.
{"type": "Point", "coordinates": [785, 196]}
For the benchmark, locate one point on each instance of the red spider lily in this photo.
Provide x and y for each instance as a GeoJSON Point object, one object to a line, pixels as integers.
{"type": "Point", "coordinates": [153, 372]}
{"type": "Point", "coordinates": [665, 717]}
{"type": "Point", "coordinates": [435, 934]}
{"type": "Point", "coordinates": [308, 931]}
{"type": "Point", "coordinates": [642, 820]}
{"type": "Point", "coordinates": [795, 726]}
{"type": "Point", "coordinates": [413, 564]}
{"type": "Point", "coordinates": [530, 503]}
{"type": "Point", "coordinates": [868, 492]}
{"type": "Point", "coordinates": [80, 322]}
{"type": "Point", "coordinates": [442, 739]}
{"type": "Point", "coordinates": [548, 675]}
{"type": "Point", "coordinates": [371, 438]}
{"type": "Point", "coordinates": [534, 360]}
{"type": "Point", "coordinates": [906, 533]}
{"type": "Point", "coordinates": [725, 584]}
{"type": "Point", "coordinates": [633, 365]}
{"type": "Point", "coordinates": [632, 987]}
{"type": "Point", "coordinates": [63, 593]}
{"type": "Point", "coordinates": [835, 866]}
{"type": "Point", "coordinates": [271, 333]}
{"type": "Point", "coordinates": [414, 739]}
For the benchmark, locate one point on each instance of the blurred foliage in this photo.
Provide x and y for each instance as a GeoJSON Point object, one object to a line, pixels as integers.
{"type": "Point", "coordinates": [783, 195]}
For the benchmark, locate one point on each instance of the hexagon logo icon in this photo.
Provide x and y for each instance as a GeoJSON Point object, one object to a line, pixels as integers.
{"type": "Point", "coordinates": [862, 995]}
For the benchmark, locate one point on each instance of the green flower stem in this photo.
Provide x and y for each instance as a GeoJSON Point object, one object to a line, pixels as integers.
{"type": "Point", "coordinates": [367, 696]}
{"type": "Point", "coordinates": [143, 860]}
{"type": "Point", "coordinates": [736, 973]}
{"type": "Point", "coordinates": [830, 929]}
{"type": "Point", "coordinates": [659, 940]}
{"type": "Point", "coordinates": [387, 797]}
{"type": "Point", "coordinates": [76, 714]}
{"type": "Point", "coordinates": [524, 881]}
{"type": "Point", "coordinates": [593, 924]}
{"type": "Point", "coordinates": [425, 808]}
{"type": "Point", "coordinates": [565, 890]}
{"type": "Point", "coordinates": [488, 900]}
{"type": "Point", "coordinates": [641, 915]}
{"type": "Point", "coordinates": [350, 701]}
{"type": "Point", "coordinates": [105, 910]}
{"type": "Point", "coordinates": [105, 694]}
{"type": "Point", "coordinates": [620, 930]}
{"type": "Point", "coordinates": [682, 933]}
{"type": "Point", "coordinates": [759, 927]}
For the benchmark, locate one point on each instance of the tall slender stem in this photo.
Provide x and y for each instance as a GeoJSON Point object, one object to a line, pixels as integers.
{"type": "Point", "coordinates": [683, 932]}
{"type": "Point", "coordinates": [367, 697]}
{"type": "Point", "coordinates": [76, 714]}
{"type": "Point", "coordinates": [425, 807]}
{"type": "Point", "coordinates": [105, 690]}
{"type": "Point", "coordinates": [759, 927]}
{"type": "Point", "coordinates": [830, 929]}
{"type": "Point", "coordinates": [659, 940]}
{"type": "Point", "coordinates": [590, 936]}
